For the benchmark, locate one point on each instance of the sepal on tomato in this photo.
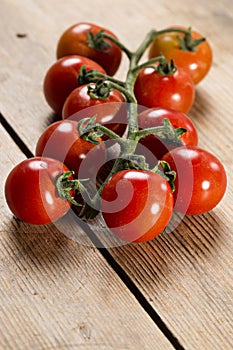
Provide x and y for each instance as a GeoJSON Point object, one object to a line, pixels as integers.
{"type": "Point", "coordinates": [163, 169]}
{"type": "Point", "coordinates": [86, 129]}
{"type": "Point", "coordinates": [96, 41]}
{"type": "Point", "coordinates": [187, 43]}
{"type": "Point", "coordinates": [65, 185]}
{"type": "Point", "coordinates": [166, 68]}
{"type": "Point", "coordinates": [100, 90]}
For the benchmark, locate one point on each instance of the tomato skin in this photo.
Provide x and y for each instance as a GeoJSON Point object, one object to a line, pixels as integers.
{"type": "Point", "coordinates": [30, 191]}
{"type": "Point", "coordinates": [74, 42]}
{"type": "Point", "coordinates": [112, 108]}
{"type": "Point", "coordinates": [154, 117]}
{"type": "Point", "coordinates": [167, 91]}
{"type": "Point", "coordinates": [61, 79]}
{"type": "Point", "coordinates": [136, 205]}
{"type": "Point", "coordinates": [196, 63]}
{"type": "Point", "coordinates": [200, 179]}
{"type": "Point", "coordinates": [61, 140]}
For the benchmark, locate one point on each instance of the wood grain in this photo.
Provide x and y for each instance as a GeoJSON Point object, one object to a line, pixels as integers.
{"type": "Point", "coordinates": [186, 275]}
{"type": "Point", "coordinates": [58, 294]}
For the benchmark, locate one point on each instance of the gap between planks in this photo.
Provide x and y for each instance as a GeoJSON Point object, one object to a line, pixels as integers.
{"type": "Point", "coordinates": [106, 254]}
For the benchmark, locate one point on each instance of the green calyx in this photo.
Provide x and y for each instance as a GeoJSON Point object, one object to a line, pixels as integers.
{"type": "Point", "coordinates": [187, 43]}
{"type": "Point", "coordinates": [101, 90]}
{"type": "Point", "coordinates": [65, 185]}
{"type": "Point", "coordinates": [165, 68]}
{"type": "Point", "coordinates": [96, 41]}
{"type": "Point", "coordinates": [100, 86]}
{"type": "Point", "coordinates": [164, 170]}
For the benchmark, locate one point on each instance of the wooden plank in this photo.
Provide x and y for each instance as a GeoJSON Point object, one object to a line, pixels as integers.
{"type": "Point", "coordinates": [56, 293]}
{"type": "Point", "coordinates": [186, 275]}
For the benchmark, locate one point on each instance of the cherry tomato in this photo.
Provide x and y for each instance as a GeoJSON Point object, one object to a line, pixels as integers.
{"type": "Point", "coordinates": [174, 91]}
{"type": "Point", "coordinates": [30, 191]}
{"type": "Point", "coordinates": [156, 146]}
{"type": "Point", "coordinates": [196, 62]}
{"type": "Point", "coordinates": [137, 205]}
{"type": "Point", "coordinates": [74, 41]}
{"type": "Point", "coordinates": [61, 140]}
{"type": "Point", "coordinates": [200, 179]}
{"type": "Point", "coordinates": [62, 77]}
{"type": "Point", "coordinates": [110, 111]}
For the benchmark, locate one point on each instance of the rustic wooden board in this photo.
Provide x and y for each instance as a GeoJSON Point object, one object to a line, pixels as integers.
{"type": "Point", "coordinates": [186, 276]}
{"type": "Point", "coordinates": [58, 294]}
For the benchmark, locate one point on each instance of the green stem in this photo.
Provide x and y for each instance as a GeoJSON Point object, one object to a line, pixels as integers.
{"type": "Point", "coordinates": [147, 64]}
{"type": "Point", "coordinates": [129, 144]}
{"type": "Point", "coordinates": [94, 76]}
{"type": "Point", "coordinates": [130, 81]}
{"type": "Point", "coordinates": [128, 94]}
{"type": "Point", "coordinates": [119, 44]}
{"type": "Point", "coordinates": [111, 134]}
{"type": "Point", "coordinates": [144, 45]}
{"type": "Point", "coordinates": [157, 130]}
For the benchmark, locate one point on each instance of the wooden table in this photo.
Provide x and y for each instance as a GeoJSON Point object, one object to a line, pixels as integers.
{"type": "Point", "coordinates": [61, 292]}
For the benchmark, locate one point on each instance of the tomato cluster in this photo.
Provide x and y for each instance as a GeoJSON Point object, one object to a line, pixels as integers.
{"type": "Point", "coordinates": [159, 169]}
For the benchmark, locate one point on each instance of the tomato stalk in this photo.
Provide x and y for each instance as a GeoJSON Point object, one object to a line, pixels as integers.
{"type": "Point", "coordinates": [148, 63]}
{"type": "Point", "coordinates": [188, 43]}
{"type": "Point", "coordinates": [65, 185]}
{"type": "Point", "coordinates": [93, 76]}
{"type": "Point", "coordinates": [91, 131]}
{"type": "Point", "coordinates": [97, 41]}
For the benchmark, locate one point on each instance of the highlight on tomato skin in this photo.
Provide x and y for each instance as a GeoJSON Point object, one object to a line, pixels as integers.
{"type": "Point", "coordinates": [175, 91]}
{"type": "Point", "coordinates": [74, 41]}
{"type": "Point", "coordinates": [61, 140]}
{"type": "Point", "coordinates": [196, 62]}
{"type": "Point", "coordinates": [61, 79]}
{"type": "Point", "coordinates": [110, 112]}
{"type": "Point", "coordinates": [137, 205]}
{"type": "Point", "coordinates": [200, 182]}
{"type": "Point", "coordinates": [30, 191]}
{"type": "Point", "coordinates": [154, 147]}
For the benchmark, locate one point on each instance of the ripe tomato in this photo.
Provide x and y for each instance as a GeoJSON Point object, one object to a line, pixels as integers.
{"type": "Point", "coordinates": [200, 179]}
{"type": "Point", "coordinates": [61, 140]}
{"type": "Point", "coordinates": [196, 62]}
{"type": "Point", "coordinates": [74, 41]}
{"type": "Point", "coordinates": [110, 112]}
{"type": "Point", "coordinates": [61, 79]}
{"type": "Point", "coordinates": [30, 191]}
{"type": "Point", "coordinates": [156, 146]}
{"type": "Point", "coordinates": [137, 205]}
{"type": "Point", "coordinates": [174, 91]}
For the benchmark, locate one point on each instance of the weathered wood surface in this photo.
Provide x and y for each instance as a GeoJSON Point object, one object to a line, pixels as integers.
{"type": "Point", "coordinates": [58, 293]}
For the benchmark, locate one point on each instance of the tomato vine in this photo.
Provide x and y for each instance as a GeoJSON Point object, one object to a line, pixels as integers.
{"type": "Point", "coordinates": [166, 91]}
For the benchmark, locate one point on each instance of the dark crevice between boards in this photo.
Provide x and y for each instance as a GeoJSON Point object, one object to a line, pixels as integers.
{"type": "Point", "coordinates": [132, 287]}
{"type": "Point", "coordinates": [22, 146]}
{"type": "Point", "coordinates": [106, 254]}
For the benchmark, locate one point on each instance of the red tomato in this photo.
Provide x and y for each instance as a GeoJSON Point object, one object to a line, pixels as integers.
{"type": "Point", "coordinates": [30, 191]}
{"type": "Point", "coordinates": [62, 141]}
{"type": "Point", "coordinates": [200, 179]}
{"type": "Point", "coordinates": [110, 112]}
{"type": "Point", "coordinates": [137, 205]}
{"type": "Point", "coordinates": [174, 91]}
{"type": "Point", "coordinates": [74, 42]}
{"type": "Point", "coordinates": [157, 147]}
{"type": "Point", "coordinates": [196, 62]}
{"type": "Point", "coordinates": [61, 79]}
